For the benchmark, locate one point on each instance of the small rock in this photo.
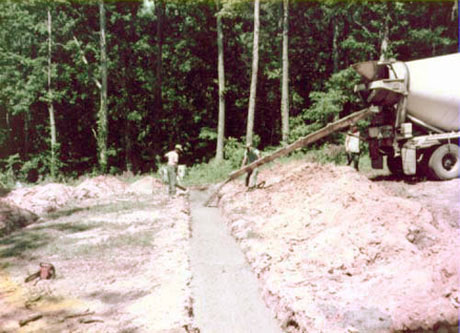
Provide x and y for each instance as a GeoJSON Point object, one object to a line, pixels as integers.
{"type": "Point", "coordinates": [410, 237]}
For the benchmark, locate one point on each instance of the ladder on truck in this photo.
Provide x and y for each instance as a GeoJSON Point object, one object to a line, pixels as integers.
{"type": "Point", "coordinates": [302, 142]}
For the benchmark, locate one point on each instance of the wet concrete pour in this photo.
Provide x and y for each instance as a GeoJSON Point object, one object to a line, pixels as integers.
{"type": "Point", "coordinates": [225, 291]}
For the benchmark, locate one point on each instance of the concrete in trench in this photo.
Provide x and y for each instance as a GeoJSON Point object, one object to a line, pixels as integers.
{"type": "Point", "coordinates": [225, 290]}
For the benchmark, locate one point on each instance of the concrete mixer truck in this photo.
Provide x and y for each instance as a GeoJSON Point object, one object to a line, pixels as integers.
{"type": "Point", "coordinates": [417, 124]}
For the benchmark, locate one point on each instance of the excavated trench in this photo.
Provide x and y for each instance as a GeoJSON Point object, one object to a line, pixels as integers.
{"type": "Point", "coordinates": [226, 293]}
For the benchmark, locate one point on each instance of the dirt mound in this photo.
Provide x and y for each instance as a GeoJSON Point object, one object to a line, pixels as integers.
{"type": "Point", "coordinates": [40, 199]}
{"type": "Point", "coordinates": [12, 217]}
{"type": "Point", "coordinates": [98, 187]}
{"type": "Point", "coordinates": [336, 252]}
{"type": "Point", "coordinates": [146, 185]}
{"type": "Point", "coordinates": [43, 199]}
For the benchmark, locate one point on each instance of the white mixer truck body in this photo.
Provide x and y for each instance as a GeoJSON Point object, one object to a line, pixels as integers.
{"type": "Point", "coordinates": [417, 126]}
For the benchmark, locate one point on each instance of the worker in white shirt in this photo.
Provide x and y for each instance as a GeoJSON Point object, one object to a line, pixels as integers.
{"type": "Point", "coordinates": [352, 147]}
{"type": "Point", "coordinates": [173, 161]}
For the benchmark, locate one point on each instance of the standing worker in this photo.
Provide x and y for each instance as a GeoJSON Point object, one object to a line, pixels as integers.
{"type": "Point", "coordinates": [251, 154]}
{"type": "Point", "coordinates": [352, 147]}
{"type": "Point", "coordinates": [173, 161]}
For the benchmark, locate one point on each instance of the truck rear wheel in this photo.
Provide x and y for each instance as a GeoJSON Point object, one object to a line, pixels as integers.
{"type": "Point", "coordinates": [394, 164]}
{"type": "Point", "coordinates": [444, 163]}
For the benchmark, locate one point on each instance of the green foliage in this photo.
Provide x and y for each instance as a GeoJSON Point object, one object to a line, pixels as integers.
{"type": "Point", "coordinates": [208, 173]}
{"type": "Point", "coordinates": [11, 165]}
{"type": "Point", "coordinates": [36, 165]}
{"type": "Point", "coordinates": [14, 168]}
{"type": "Point", "coordinates": [326, 105]}
{"type": "Point", "coordinates": [234, 152]}
{"type": "Point", "coordinates": [328, 153]}
{"type": "Point", "coordinates": [207, 133]}
{"type": "Point", "coordinates": [162, 73]}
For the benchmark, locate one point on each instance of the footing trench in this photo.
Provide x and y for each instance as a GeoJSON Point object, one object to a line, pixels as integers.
{"type": "Point", "coordinates": [225, 290]}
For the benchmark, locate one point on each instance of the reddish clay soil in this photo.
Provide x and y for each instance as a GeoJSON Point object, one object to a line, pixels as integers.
{"type": "Point", "coordinates": [337, 252]}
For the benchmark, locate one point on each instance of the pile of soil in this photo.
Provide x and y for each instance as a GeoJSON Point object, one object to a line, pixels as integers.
{"type": "Point", "coordinates": [336, 252]}
{"type": "Point", "coordinates": [147, 185]}
{"type": "Point", "coordinates": [12, 218]}
{"type": "Point", "coordinates": [99, 187]}
{"type": "Point", "coordinates": [42, 199]}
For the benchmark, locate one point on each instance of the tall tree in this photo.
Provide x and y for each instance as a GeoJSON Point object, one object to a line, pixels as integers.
{"type": "Point", "coordinates": [53, 163]}
{"type": "Point", "coordinates": [255, 67]}
{"type": "Point", "coordinates": [221, 75]}
{"type": "Point", "coordinates": [102, 132]}
{"type": "Point", "coordinates": [160, 13]}
{"type": "Point", "coordinates": [285, 78]}
{"type": "Point", "coordinates": [385, 34]}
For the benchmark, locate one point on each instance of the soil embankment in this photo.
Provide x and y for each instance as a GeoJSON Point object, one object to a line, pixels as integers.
{"type": "Point", "coordinates": [336, 252]}
{"type": "Point", "coordinates": [226, 293]}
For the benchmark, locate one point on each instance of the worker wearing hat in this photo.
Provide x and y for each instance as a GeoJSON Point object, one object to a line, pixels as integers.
{"type": "Point", "coordinates": [251, 154]}
{"type": "Point", "coordinates": [173, 161]}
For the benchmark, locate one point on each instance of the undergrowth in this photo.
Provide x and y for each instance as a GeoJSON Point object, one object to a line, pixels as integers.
{"type": "Point", "coordinates": [213, 172]}
{"type": "Point", "coordinates": [208, 173]}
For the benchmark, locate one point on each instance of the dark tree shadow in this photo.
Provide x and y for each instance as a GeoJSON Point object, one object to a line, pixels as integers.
{"type": "Point", "coordinates": [66, 212]}
{"type": "Point", "coordinates": [16, 244]}
{"type": "Point", "coordinates": [70, 227]}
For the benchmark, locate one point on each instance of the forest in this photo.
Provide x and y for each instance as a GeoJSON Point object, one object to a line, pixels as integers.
{"type": "Point", "coordinates": [110, 86]}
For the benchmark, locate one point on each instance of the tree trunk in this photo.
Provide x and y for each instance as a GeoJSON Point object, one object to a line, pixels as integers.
{"type": "Point", "coordinates": [285, 79]}
{"type": "Point", "coordinates": [128, 147]}
{"type": "Point", "coordinates": [255, 65]}
{"type": "Point", "coordinates": [221, 75]}
{"type": "Point", "coordinates": [53, 163]}
{"type": "Point", "coordinates": [385, 38]}
{"type": "Point", "coordinates": [102, 123]}
{"type": "Point", "coordinates": [335, 46]}
{"type": "Point", "coordinates": [160, 9]}
{"type": "Point", "coordinates": [26, 134]}
{"type": "Point", "coordinates": [452, 14]}
{"type": "Point", "coordinates": [129, 128]}
{"type": "Point", "coordinates": [128, 139]}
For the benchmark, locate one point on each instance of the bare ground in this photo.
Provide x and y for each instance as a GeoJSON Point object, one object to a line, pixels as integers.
{"type": "Point", "coordinates": [121, 258]}
{"type": "Point", "coordinates": [336, 252]}
{"type": "Point", "coordinates": [332, 251]}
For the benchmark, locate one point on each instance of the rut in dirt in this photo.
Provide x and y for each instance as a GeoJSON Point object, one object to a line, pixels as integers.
{"type": "Point", "coordinates": [225, 291]}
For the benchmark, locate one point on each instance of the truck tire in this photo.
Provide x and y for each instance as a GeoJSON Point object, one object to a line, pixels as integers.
{"type": "Point", "coordinates": [423, 170]}
{"type": "Point", "coordinates": [444, 163]}
{"type": "Point", "coordinates": [394, 164]}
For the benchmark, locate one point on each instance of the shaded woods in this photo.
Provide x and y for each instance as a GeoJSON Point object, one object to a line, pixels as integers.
{"type": "Point", "coordinates": [161, 61]}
